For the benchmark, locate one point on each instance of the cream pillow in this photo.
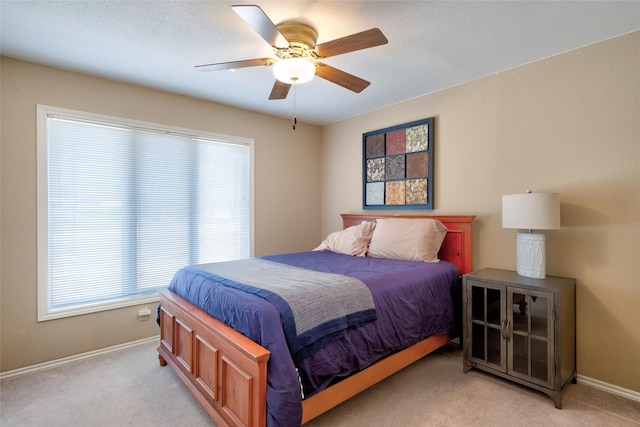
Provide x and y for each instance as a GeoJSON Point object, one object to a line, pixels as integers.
{"type": "Point", "coordinates": [353, 240]}
{"type": "Point", "coordinates": [407, 239]}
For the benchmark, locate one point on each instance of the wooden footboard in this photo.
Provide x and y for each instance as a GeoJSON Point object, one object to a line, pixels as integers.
{"type": "Point", "coordinates": [223, 369]}
{"type": "Point", "coordinates": [227, 372]}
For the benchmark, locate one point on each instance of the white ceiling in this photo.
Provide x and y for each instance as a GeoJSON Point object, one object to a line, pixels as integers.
{"type": "Point", "coordinates": [432, 45]}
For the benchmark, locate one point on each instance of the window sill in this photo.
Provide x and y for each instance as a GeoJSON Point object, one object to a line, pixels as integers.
{"type": "Point", "coordinates": [96, 308]}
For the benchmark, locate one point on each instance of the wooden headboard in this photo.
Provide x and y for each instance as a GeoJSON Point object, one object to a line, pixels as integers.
{"type": "Point", "coordinates": [456, 247]}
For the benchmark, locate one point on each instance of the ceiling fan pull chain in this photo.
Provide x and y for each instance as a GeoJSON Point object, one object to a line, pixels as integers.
{"type": "Point", "coordinates": [295, 119]}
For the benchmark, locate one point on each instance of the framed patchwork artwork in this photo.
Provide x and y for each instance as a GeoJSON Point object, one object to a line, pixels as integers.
{"type": "Point", "coordinates": [397, 167]}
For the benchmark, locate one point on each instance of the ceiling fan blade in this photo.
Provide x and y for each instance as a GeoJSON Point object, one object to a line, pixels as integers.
{"type": "Point", "coordinates": [260, 22]}
{"type": "Point", "coordinates": [280, 90]}
{"type": "Point", "coordinates": [234, 64]}
{"type": "Point", "coordinates": [339, 77]}
{"type": "Point", "coordinates": [358, 41]}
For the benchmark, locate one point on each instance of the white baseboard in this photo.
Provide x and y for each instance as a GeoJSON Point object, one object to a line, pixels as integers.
{"type": "Point", "coordinates": [610, 388]}
{"type": "Point", "coordinates": [613, 389]}
{"type": "Point", "coordinates": [70, 359]}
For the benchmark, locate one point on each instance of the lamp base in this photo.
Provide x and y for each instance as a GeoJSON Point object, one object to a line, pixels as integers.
{"type": "Point", "coordinates": [531, 255]}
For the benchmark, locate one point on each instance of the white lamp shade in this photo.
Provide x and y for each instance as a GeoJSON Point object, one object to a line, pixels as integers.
{"type": "Point", "coordinates": [294, 70]}
{"type": "Point", "coordinates": [531, 211]}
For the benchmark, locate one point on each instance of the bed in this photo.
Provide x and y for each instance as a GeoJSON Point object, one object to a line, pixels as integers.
{"type": "Point", "coordinates": [227, 372]}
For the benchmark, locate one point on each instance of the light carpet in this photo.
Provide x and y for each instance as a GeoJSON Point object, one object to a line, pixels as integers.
{"type": "Point", "coordinates": [129, 388]}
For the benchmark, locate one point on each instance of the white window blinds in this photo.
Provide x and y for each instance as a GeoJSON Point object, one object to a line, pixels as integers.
{"type": "Point", "coordinates": [129, 203]}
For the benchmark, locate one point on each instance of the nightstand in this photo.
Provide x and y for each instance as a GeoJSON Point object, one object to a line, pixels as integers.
{"type": "Point", "coordinates": [521, 329]}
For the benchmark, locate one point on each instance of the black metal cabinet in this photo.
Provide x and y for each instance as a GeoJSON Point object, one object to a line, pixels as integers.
{"type": "Point", "coordinates": [521, 329]}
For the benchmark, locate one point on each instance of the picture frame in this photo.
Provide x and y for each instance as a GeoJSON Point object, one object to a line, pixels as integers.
{"type": "Point", "coordinates": [397, 166]}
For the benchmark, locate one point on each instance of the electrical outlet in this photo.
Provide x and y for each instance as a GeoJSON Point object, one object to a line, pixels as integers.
{"type": "Point", "coordinates": [144, 314]}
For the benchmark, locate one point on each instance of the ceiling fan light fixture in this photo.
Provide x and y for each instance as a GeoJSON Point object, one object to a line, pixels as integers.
{"type": "Point", "coordinates": [294, 70]}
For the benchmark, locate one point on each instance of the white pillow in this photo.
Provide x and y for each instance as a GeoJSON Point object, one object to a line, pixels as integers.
{"type": "Point", "coordinates": [353, 240]}
{"type": "Point", "coordinates": [407, 239]}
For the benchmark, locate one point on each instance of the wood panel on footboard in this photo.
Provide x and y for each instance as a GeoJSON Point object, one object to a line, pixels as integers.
{"type": "Point", "coordinates": [223, 369]}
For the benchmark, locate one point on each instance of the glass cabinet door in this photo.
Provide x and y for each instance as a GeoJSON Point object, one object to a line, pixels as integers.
{"type": "Point", "coordinates": [486, 310]}
{"type": "Point", "coordinates": [531, 332]}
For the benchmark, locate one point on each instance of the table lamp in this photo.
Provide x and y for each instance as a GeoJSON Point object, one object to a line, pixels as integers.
{"type": "Point", "coordinates": [531, 211]}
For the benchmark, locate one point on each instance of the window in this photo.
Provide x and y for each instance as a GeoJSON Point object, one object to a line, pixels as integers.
{"type": "Point", "coordinates": [122, 205]}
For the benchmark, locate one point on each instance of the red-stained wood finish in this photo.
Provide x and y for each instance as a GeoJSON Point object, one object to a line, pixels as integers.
{"type": "Point", "coordinates": [223, 369]}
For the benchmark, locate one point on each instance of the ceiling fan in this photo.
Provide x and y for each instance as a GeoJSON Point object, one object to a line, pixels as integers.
{"type": "Point", "coordinates": [298, 58]}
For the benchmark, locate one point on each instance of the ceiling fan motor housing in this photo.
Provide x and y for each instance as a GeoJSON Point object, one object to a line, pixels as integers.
{"type": "Point", "coordinates": [302, 40]}
{"type": "Point", "coordinates": [299, 34]}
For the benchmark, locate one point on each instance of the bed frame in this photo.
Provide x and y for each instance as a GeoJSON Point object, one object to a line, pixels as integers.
{"type": "Point", "coordinates": [227, 372]}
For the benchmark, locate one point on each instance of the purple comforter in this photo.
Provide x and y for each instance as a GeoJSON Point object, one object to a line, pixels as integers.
{"type": "Point", "coordinates": [413, 300]}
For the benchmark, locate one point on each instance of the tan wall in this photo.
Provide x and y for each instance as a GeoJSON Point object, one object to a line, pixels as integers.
{"type": "Point", "coordinates": [568, 124]}
{"type": "Point", "coordinates": [287, 195]}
